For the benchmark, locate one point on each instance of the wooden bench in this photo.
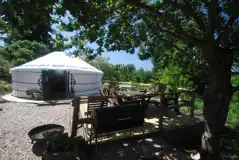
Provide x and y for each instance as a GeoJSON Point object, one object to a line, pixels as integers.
{"type": "Point", "coordinates": [105, 120]}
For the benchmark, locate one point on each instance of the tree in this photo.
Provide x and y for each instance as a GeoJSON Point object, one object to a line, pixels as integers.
{"type": "Point", "coordinates": [143, 76]}
{"type": "Point", "coordinates": [174, 77]}
{"type": "Point", "coordinates": [26, 20]}
{"type": "Point", "coordinates": [127, 72]}
{"type": "Point", "coordinates": [119, 72]}
{"type": "Point", "coordinates": [210, 26]}
{"type": "Point", "coordinates": [21, 52]}
{"type": "Point", "coordinates": [4, 68]}
{"type": "Point", "coordinates": [18, 53]}
{"type": "Point", "coordinates": [102, 63]}
{"type": "Point", "coordinates": [192, 72]}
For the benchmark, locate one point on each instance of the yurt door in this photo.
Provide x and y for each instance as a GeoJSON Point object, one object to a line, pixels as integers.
{"type": "Point", "coordinates": [54, 84]}
{"type": "Point", "coordinates": [46, 88]}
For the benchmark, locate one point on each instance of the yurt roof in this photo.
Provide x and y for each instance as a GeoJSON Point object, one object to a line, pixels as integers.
{"type": "Point", "coordinates": [57, 61]}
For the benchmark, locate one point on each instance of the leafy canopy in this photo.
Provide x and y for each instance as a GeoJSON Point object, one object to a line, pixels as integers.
{"type": "Point", "coordinates": [153, 25]}
{"type": "Point", "coordinates": [181, 33]}
{"type": "Point", "coordinates": [31, 20]}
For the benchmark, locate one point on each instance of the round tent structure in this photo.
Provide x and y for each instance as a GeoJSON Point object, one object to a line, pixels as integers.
{"type": "Point", "coordinates": [55, 75]}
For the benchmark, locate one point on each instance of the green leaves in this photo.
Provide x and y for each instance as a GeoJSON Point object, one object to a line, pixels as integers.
{"type": "Point", "coordinates": [27, 20]}
{"type": "Point", "coordinates": [22, 51]}
{"type": "Point", "coordinates": [174, 77]}
{"type": "Point", "coordinates": [19, 53]}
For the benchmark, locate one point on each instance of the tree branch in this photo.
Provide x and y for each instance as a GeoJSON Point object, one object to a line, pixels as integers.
{"type": "Point", "coordinates": [230, 22]}
{"type": "Point", "coordinates": [174, 45]}
{"type": "Point", "coordinates": [213, 10]}
{"type": "Point", "coordinates": [166, 18]}
{"type": "Point", "coordinates": [143, 6]}
{"type": "Point", "coordinates": [188, 12]}
{"type": "Point", "coordinates": [184, 37]}
{"type": "Point", "coordinates": [177, 48]}
{"type": "Point", "coordinates": [181, 35]}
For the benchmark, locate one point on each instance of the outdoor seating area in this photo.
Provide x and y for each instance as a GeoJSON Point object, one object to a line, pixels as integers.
{"type": "Point", "coordinates": [158, 109]}
{"type": "Point", "coordinates": [121, 116]}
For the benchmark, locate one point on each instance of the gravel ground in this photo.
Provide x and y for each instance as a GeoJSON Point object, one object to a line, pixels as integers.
{"type": "Point", "coordinates": [16, 119]}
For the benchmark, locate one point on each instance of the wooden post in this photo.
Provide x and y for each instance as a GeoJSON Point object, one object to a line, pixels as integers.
{"type": "Point", "coordinates": [162, 108]}
{"type": "Point", "coordinates": [176, 108]}
{"type": "Point", "coordinates": [143, 101]}
{"type": "Point", "coordinates": [192, 104]}
{"type": "Point", "coordinates": [75, 117]}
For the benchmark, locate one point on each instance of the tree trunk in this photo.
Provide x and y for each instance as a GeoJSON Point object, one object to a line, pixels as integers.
{"type": "Point", "coordinates": [217, 99]}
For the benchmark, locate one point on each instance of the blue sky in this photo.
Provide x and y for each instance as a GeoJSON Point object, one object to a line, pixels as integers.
{"type": "Point", "coordinates": [121, 57]}
{"type": "Point", "coordinates": [126, 58]}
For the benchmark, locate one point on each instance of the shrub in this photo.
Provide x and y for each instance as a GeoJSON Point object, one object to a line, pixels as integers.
{"type": "Point", "coordinates": [5, 87]}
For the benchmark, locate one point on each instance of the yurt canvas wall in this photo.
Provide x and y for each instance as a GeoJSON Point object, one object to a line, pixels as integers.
{"type": "Point", "coordinates": [82, 78]}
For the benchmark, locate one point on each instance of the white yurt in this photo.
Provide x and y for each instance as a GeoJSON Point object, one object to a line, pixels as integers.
{"type": "Point", "coordinates": [55, 75]}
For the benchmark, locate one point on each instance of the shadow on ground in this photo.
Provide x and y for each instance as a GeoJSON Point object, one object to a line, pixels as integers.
{"type": "Point", "coordinates": [150, 148]}
{"type": "Point", "coordinates": [170, 121]}
{"type": "Point", "coordinates": [38, 149]}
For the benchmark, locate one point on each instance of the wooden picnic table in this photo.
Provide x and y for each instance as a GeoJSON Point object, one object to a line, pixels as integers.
{"type": "Point", "coordinates": [153, 99]}
{"type": "Point", "coordinates": [131, 93]}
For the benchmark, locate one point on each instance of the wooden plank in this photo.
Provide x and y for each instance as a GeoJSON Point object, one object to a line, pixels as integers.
{"type": "Point", "coordinates": [75, 118]}
{"type": "Point", "coordinates": [86, 121]}
{"type": "Point", "coordinates": [162, 107]}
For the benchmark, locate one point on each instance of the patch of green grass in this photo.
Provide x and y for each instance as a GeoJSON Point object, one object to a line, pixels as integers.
{"type": "Point", "coordinates": [233, 113]}
{"type": "Point", "coordinates": [5, 87]}
{"type": "Point", "coordinates": [198, 104]}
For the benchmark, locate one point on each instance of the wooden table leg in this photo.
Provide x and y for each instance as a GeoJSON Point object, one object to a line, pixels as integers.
{"type": "Point", "coordinates": [75, 117]}
{"type": "Point", "coordinates": [162, 108]}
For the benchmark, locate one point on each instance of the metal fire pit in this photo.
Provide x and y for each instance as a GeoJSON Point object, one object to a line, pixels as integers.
{"type": "Point", "coordinates": [46, 132]}
{"type": "Point", "coordinates": [58, 146]}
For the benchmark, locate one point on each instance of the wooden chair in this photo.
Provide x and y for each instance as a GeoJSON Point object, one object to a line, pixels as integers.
{"type": "Point", "coordinates": [104, 91]}
{"type": "Point", "coordinates": [109, 119]}
{"type": "Point", "coordinates": [118, 119]}
{"type": "Point", "coordinates": [96, 102]}
{"type": "Point", "coordinates": [92, 103]}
